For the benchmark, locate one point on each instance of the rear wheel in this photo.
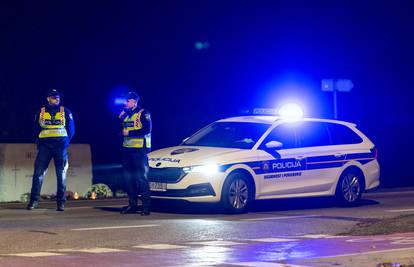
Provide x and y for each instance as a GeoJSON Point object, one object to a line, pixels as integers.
{"type": "Point", "coordinates": [349, 188]}
{"type": "Point", "coordinates": [237, 193]}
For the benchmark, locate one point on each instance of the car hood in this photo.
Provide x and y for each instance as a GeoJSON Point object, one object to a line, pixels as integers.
{"type": "Point", "coordinates": [182, 156]}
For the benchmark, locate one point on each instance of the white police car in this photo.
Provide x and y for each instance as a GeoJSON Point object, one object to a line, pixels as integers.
{"type": "Point", "coordinates": [237, 160]}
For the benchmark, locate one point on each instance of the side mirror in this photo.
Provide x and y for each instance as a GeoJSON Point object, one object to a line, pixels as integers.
{"type": "Point", "coordinates": [274, 144]}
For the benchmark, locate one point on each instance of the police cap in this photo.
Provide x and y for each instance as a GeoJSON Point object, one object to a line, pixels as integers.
{"type": "Point", "coordinates": [132, 95]}
{"type": "Point", "coordinates": [53, 92]}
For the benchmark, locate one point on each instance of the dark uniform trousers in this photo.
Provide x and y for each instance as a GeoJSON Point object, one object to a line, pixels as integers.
{"type": "Point", "coordinates": [135, 163]}
{"type": "Point", "coordinates": [44, 155]}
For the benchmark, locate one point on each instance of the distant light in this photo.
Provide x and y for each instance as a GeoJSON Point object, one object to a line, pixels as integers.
{"type": "Point", "coordinates": [201, 45]}
{"type": "Point", "coordinates": [119, 101]}
{"type": "Point", "coordinates": [291, 111]}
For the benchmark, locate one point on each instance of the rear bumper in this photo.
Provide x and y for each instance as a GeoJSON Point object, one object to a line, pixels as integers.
{"type": "Point", "coordinates": [372, 175]}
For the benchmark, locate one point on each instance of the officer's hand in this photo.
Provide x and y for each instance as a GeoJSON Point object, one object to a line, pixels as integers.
{"type": "Point", "coordinates": [125, 132]}
{"type": "Point", "coordinates": [121, 114]}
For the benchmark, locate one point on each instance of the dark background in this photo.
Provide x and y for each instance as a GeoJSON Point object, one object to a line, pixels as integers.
{"type": "Point", "coordinates": [260, 53]}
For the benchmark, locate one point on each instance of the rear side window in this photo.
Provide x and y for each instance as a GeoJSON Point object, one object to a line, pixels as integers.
{"type": "Point", "coordinates": [313, 134]}
{"type": "Point", "coordinates": [284, 133]}
{"type": "Point", "coordinates": [343, 135]}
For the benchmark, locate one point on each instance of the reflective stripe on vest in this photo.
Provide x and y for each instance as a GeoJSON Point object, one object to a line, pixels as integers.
{"type": "Point", "coordinates": [52, 126]}
{"type": "Point", "coordinates": [134, 123]}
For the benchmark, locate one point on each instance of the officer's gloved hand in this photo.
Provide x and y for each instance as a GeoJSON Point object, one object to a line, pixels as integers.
{"type": "Point", "coordinates": [123, 112]}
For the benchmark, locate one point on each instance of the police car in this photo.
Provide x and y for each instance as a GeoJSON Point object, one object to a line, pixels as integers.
{"type": "Point", "coordinates": [237, 160]}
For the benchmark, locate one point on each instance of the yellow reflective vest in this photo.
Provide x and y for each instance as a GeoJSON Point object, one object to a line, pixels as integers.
{"type": "Point", "coordinates": [134, 123]}
{"type": "Point", "coordinates": [52, 126]}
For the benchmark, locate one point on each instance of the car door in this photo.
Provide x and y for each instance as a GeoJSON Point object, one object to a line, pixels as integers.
{"type": "Point", "coordinates": [323, 158]}
{"type": "Point", "coordinates": [281, 169]}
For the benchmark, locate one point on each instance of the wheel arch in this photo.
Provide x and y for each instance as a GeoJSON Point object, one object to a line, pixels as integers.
{"type": "Point", "coordinates": [356, 169]}
{"type": "Point", "coordinates": [247, 172]}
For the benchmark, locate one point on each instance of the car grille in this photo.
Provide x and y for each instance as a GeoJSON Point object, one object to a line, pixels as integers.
{"type": "Point", "coordinates": [166, 175]}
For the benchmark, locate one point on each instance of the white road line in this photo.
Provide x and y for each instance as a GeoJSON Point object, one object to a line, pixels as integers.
{"type": "Point", "coordinates": [271, 240]}
{"type": "Point", "coordinates": [264, 264]}
{"type": "Point", "coordinates": [363, 253]}
{"type": "Point", "coordinates": [115, 227]}
{"type": "Point", "coordinates": [314, 236]}
{"type": "Point", "coordinates": [279, 218]}
{"type": "Point", "coordinates": [216, 243]}
{"type": "Point", "coordinates": [92, 250]}
{"type": "Point", "coordinates": [34, 254]}
{"type": "Point", "coordinates": [403, 210]}
{"type": "Point", "coordinates": [160, 246]}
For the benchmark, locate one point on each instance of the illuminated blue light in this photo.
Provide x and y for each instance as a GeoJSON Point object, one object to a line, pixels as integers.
{"type": "Point", "coordinates": [119, 101]}
{"type": "Point", "coordinates": [291, 111]}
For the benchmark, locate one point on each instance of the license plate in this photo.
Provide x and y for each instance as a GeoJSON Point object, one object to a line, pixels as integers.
{"type": "Point", "coordinates": [156, 186]}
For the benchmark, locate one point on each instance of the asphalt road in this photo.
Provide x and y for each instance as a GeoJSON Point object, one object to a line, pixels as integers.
{"type": "Point", "coordinates": [296, 232]}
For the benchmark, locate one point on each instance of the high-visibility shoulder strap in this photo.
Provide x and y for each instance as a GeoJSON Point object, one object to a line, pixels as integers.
{"type": "Point", "coordinates": [138, 119]}
{"type": "Point", "coordinates": [42, 114]}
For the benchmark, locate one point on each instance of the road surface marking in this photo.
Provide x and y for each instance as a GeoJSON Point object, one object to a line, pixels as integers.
{"type": "Point", "coordinates": [403, 210]}
{"type": "Point", "coordinates": [279, 218]}
{"type": "Point", "coordinates": [92, 250]}
{"type": "Point", "coordinates": [364, 253]}
{"type": "Point", "coordinates": [160, 246]}
{"type": "Point", "coordinates": [264, 264]}
{"type": "Point", "coordinates": [271, 240]}
{"type": "Point", "coordinates": [34, 254]}
{"type": "Point", "coordinates": [215, 243]}
{"type": "Point", "coordinates": [115, 227]}
{"type": "Point", "coordinates": [314, 236]}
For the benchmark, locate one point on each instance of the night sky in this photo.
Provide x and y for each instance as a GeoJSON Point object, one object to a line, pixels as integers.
{"type": "Point", "coordinates": [259, 54]}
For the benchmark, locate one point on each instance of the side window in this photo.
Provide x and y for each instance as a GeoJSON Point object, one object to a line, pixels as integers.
{"type": "Point", "coordinates": [284, 133]}
{"type": "Point", "coordinates": [343, 135]}
{"type": "Point", "coordinates": [313, 134]}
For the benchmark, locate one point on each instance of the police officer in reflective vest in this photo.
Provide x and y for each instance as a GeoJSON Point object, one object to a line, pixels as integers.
{"type": "Point", "coordinates": [54, 130]}
{"type": "Point", "coordinates": [136, 123]}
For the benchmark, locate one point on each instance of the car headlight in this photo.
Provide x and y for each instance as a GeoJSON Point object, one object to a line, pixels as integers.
{"type": "Point", "coordinates": [209, 168]}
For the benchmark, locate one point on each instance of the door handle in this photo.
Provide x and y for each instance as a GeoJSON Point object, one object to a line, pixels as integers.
{"type": "Point", "coordinates": [300, 158]}
{"type": "Point", "coordinates": [338, 155]}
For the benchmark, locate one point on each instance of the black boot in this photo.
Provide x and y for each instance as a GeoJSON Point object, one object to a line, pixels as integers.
{"type": "Point", "coordinates": [60, 206]}
{"type": "Point", "coordinates": [145, 211]}
{"type": "Point", "coordinates": [129, 210]}
{"type": "Point", "coordinates": [33, 204]}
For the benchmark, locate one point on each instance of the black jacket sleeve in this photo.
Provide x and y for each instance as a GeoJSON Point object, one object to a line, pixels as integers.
{"type": "Point", "coordinates": [37, 127]}
{"type": "Point", "coordinates": [70, 125]}
{"type": "Point", "coordinates": [146, 125]}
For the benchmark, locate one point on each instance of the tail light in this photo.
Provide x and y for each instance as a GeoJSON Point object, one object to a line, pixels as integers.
{"type": "Point", "coordinates": [374, 151]}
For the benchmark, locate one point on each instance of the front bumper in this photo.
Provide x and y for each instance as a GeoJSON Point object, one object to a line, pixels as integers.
{"type": "Point", "coordinates": [196, 190]}
{"type": "Point", "coordinates": [193, 187]}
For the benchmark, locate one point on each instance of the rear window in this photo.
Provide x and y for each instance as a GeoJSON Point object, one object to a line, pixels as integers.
{"type": "Point", "coordinates": [343, 135]}
{"type": "Point", "coordinates": [313, 134]}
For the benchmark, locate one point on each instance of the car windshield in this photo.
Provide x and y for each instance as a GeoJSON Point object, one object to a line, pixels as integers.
{"type": "Point", "coordinates": [243, 135]}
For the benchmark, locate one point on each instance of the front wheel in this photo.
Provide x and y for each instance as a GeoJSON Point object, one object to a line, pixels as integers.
{"type": "Point", "coordinates": [349, 188]}
{"type": "Point", "coordinates": [237, 193]}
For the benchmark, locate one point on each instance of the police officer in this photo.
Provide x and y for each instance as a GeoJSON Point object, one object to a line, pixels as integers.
{"type": "Point", "coordinates": [136, 123]}
{"type": "Point", "coordinates": [54, 130]}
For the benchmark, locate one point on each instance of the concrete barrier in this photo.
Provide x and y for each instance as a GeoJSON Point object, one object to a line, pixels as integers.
{"type": "Point", "coordinates": [17, 165]}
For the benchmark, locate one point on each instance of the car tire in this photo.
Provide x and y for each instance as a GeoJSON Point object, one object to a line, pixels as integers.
{"type": "Point", "coordinates": [349, 188]}
{"type": "Point", "coordinates": [237, 194]}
